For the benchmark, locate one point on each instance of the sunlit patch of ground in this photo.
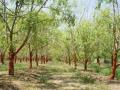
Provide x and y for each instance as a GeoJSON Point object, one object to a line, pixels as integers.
{"type": "Point", "coordinates": [55, 76]}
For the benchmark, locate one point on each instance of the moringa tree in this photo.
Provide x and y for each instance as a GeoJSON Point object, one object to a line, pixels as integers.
{"type": "Point", "coordinates": [22, 11]}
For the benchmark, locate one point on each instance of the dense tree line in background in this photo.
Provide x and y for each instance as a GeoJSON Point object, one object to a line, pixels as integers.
{"type": "Point", "coordinates": [29, 33]}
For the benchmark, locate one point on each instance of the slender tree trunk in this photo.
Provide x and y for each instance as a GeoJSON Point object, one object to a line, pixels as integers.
{"type": "Point", "coordinates": [44, 59]}
{"type": "Point", "coordinates": [98, 60]}
{"type": "Point", "coordinates": [69, 61]}
{"type": "Point", "coordinates": [30, 56]}
{"type": "Point", "coordinates": [116, 42]}
{"type": "Point", "coordinates": [85, 64]}
{"type": "Point", "coordinates": [114, 65]}
{"type": "Point", "coordinates": [41, 59]}
{"type": "Point", "coordinates": [36, 58]}
{"type": "Point", "coordinates": [75, 61]}
{"type": "Point", "coordinates": [30, 60]}
{"type": "Point", "coordinates": [2, 57]}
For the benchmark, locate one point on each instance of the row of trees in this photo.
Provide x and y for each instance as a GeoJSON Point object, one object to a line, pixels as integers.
{"type": "Point", "coordinates": [32, 28]}
{"type": "Point", "coordinates": [24, 21]}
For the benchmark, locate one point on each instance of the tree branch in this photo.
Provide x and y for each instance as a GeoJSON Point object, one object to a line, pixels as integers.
{"type": "Point", "coordinates": [42, 6]}
{"type": "Point", "coordinates": [15, 17]}
{"type": "Point", "coordinates": [24, 42]}
{"type": "Point", "coordinates": [117, 65]}
{"type": "Point", "coordinates": [6, 7]}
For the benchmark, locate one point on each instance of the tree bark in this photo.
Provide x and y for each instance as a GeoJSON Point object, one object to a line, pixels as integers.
{"type": "Point", "coordinates": [36, 58]}
{"type": "Point", "coordinates": [30, 56]}
{"type": "Point", "coordinates": [11, 62]}
{"type": "Point", "coordinates": [114, 65]}
{"type": "Point", "coordinates": [2, 58]}
{"type": "Point", "coordinates": [75, 61]}
{"type": "Point", "coordinates": [30, 59]}
{"type": "Point", "coordinates": [98, 60]}
{"type": "Point", "coordinates": [85, 64]}
{"type": "Point", "coordinates": [69, 60]}
{"type": "Point", "coordinates": [15, 58]}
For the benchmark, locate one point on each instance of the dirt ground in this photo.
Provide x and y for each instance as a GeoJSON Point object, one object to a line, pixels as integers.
{"type": "Point", "coordinates": [53, 78]}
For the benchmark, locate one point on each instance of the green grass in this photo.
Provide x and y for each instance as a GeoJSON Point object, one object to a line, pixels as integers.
{"type": "Point", "coordinates": [21, 66]}
{"type": "Point", "coordinates": [95, 67]}
{"type": "Point", "coordinates": [58, 68]}
{"type": "Point", "coordinates": [18, 66]}
{"type": "Point", "coordinates": [84, 78]}
{"type": "Point", "coordinates": [4, 67]}
{"type": "Point", "coordinates": [87, 79]}
{"type": "Point", "coordinates": [106, 71]}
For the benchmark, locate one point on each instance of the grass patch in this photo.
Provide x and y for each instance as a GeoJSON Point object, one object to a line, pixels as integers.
{"type": "Point", "coordinates": [3, 67]}
{"type": "Point", "coordinates": [58, 68]}
{"type": "Point", "coordinates": [95, 67]}
{"type": "Point", "coordinates": [87, 79]}
{"type": "Point", "coordinates": [43, 78]}
{"type": "Point", "coordinates": [20, 66]}
{"type": "Point", "coordinates": [106, 71]}
{"type": "Point", "coordinates": [17, 66]}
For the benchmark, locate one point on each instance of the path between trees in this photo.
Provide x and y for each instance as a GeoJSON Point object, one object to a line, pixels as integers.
{"type": "Point", "coordinates": [47, 78]}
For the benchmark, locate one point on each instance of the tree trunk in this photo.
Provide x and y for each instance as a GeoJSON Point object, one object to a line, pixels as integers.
{"type": "Point", "coordinates": [15, 58]}
{"type": "Point", "coordinates": [114, 65]}
{"type": "Point", "coordinates": [41, 59]}
{"type": "Point", "coordinates": [2, 58]}
{"type": "Point", "coordinates": [30, 60]}
{"type": "Point", "coordinates": [69, 61]}
{"type": "Point", "coordinates": [85, 64]}
{"type": "Point", "coordinates": [75, 61]}
{"type": "Point", "coordinates": [11, 62]}
{"type": "Point", "coordinates": [36, 58]}
{"type": "Point", "coordinates": [98, 60]}
{"type": "Point", "coordinates": [30, 56]}
{"type": "Point", "coordinates": [46, 58]}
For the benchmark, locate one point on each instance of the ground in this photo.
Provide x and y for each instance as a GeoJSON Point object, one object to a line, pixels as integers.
{"type": "Point", "coordinates": [54, 76]}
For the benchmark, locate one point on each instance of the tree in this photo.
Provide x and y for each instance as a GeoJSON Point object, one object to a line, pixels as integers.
{"type": "Point", "coordinates": [115, 31]}
{"type": "Point", "coordinates": [15, 16]}
{"type": "Point", "coordinates": [19, 14]}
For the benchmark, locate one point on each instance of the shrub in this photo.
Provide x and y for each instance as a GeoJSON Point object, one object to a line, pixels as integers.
{"type": "Point", "coordinates": [43, 78]}
{"type": "Point", "coordinates": [95, 67]}
{"type": "Point", "coordinates": [87, 79]}
{"type": "Point", "coordinates": [106, 71]}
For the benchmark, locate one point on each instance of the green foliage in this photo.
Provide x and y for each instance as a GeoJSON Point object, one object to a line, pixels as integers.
{"type": "Point", "coordinates": [87, 79]}
{"type": "Point", "coordinates": [84, 78]}
{"type": "Point", "coordinates": [106, 71]}
{"type": "Point", "coordinates": [43, 78]}
{"type": "Point", "coordinates": [18, 66]}
{"type": "Point", "coordinates": [117, 74]}
{"type": "Point", "coordinates": [3, 67]}
{"type": "Point", "coordinates": [95, 67]}
{"type": "Point", "coordinates": [87, 39]}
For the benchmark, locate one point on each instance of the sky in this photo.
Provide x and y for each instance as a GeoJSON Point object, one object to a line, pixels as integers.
{"type": "Point", "coordinates": [85, 5]}
{"type": "Point", "coordinates": [80, 6]}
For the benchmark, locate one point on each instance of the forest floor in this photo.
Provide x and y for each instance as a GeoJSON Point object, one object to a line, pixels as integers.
{"type": "Point", "coordinates": [56, 76]}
